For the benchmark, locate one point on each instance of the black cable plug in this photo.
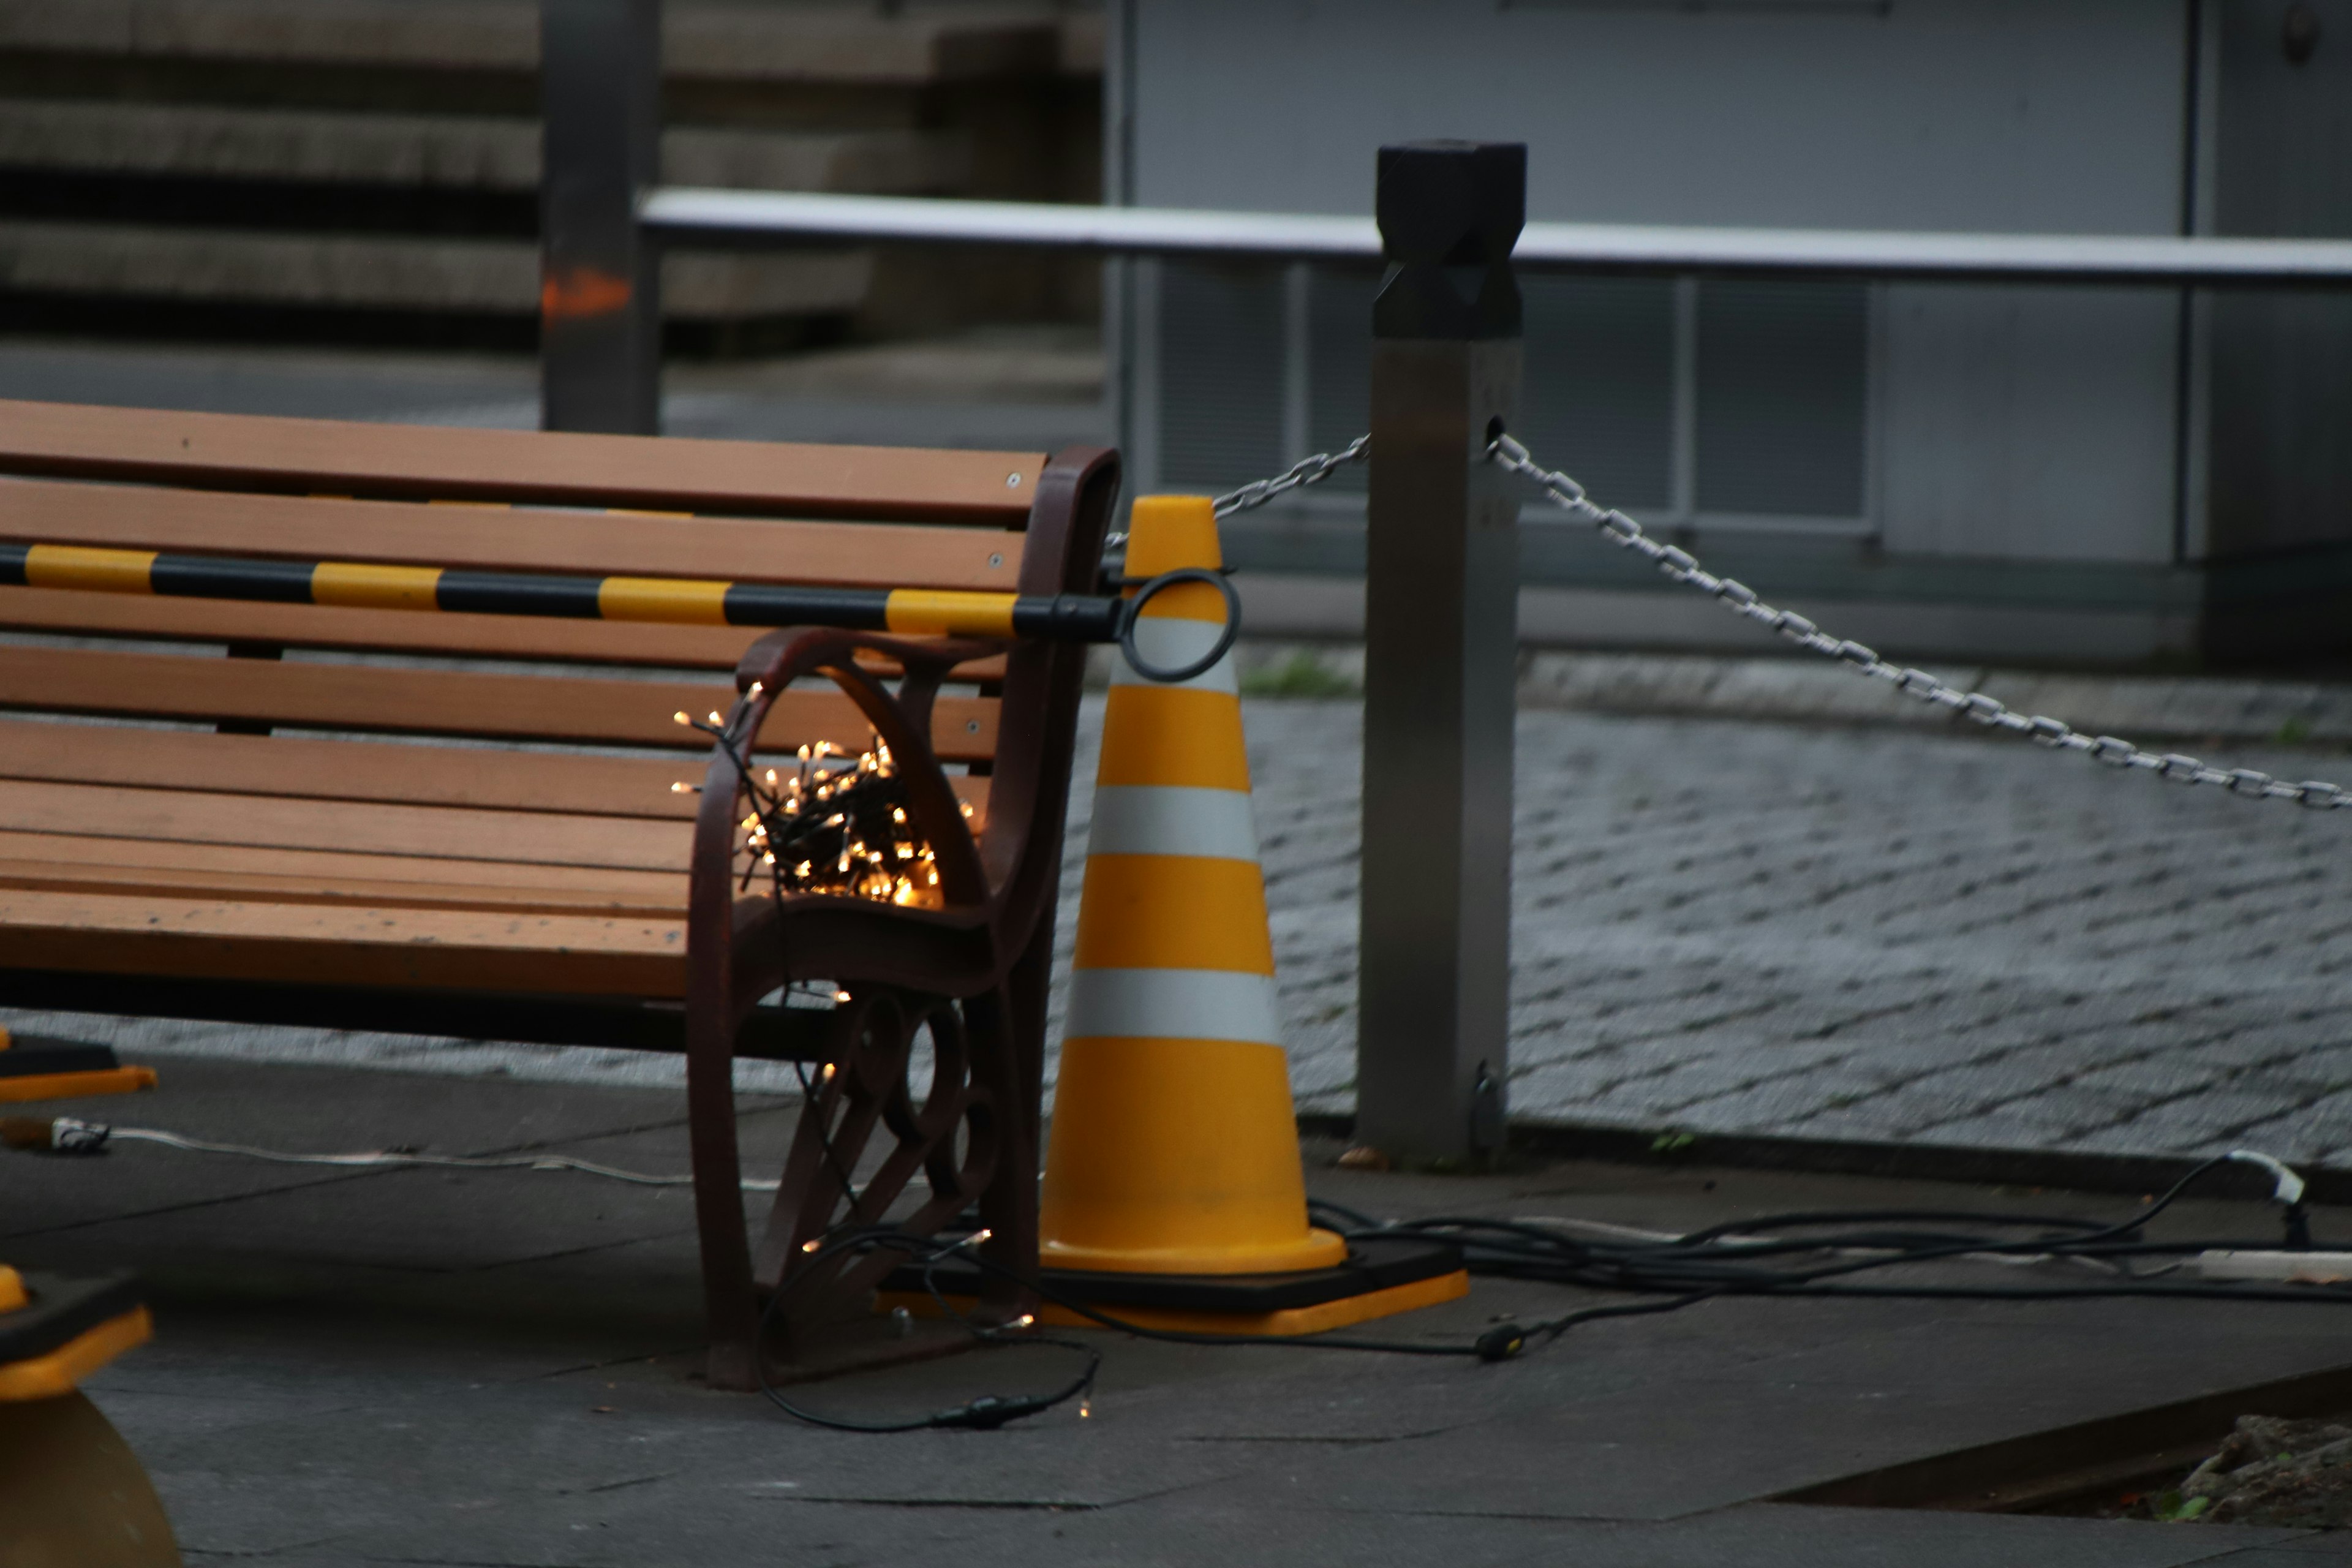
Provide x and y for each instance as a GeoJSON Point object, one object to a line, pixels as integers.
{"type": "Point", "coordinates": [991, 1411]}
{"type": "Point", "coordinates": [1501, 1342]}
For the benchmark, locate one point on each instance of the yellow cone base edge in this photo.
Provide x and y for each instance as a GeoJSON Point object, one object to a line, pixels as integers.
{"type": "Point", "coordinates": [1317, 1249]}
{"type": "Point", "coordinates": [72, 1085]}
{"type": "Point", "coordinates": [1319, 1319]}
{"type": "Point", "coordinates": [55, 1372]}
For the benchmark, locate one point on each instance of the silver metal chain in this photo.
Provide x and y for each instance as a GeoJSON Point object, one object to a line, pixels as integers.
{"type": "Point", "coordinates": [1307, 471]}
{"type": "Point", "coordinates": [1681, 566]}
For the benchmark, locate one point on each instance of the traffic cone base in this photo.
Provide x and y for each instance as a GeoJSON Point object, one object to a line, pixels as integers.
{"type": "Point", "coordinates": [1340, 1312]}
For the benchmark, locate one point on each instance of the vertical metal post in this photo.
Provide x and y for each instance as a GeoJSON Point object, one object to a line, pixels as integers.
{"type": "Point", "coordinates": [600, 278]}
{"type": "Point", "coordinates": [1440, 631]}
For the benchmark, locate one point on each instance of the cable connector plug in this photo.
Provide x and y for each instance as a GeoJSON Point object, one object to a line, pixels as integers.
{"type": "Point", "coordinates": [2287, 1193]}
{"type": "Point", "coordinates": [54, 1135]}
{"type": "Point", "coordinates": [1501, 1342]}
{"type": "Point", "coordinates": [989, 1411]}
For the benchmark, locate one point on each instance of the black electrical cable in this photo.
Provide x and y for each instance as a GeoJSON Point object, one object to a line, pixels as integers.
{"type": "Point", "coordinates": [985, 1413]}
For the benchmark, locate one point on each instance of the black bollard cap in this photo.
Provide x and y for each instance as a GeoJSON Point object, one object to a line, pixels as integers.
{"type": "Point", "coordinates": [1449, 213]}
{"type": "Point", "coordinates": [1452, 203]}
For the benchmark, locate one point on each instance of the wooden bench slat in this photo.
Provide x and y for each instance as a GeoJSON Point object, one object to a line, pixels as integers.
{"type": "Point", "coordinates": [102, 811]}
{"type": "Point", "coordinates": [66, 862]}
{"type": "Point", "coordinates": [323, 944]}
{"type": "Point", "coordinates": [480, 776]}
{"type": "Point", "coordinates": [508, 538]}
{"type": "Point", "coordinates": [406, 700]}
{"type": "Point", "coordinates": [310, 456]}
{"type": "Point", "coordinates": [656, 889]}
{"type": "Point", "coordinates": [71, 612]}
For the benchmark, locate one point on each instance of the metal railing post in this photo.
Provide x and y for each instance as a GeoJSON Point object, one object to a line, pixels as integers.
{"type": "Point", "coordinates": [1440, 631]}
{"type": "Point", "coordinates": [600, 275]}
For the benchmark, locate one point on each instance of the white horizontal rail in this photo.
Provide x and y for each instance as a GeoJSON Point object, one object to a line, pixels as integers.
{"type": "Point", "coordinates": [782, 217]}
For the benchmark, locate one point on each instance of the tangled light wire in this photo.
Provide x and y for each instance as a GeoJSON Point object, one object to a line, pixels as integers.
{"type": "Point", "coordinates": [1680, 566]}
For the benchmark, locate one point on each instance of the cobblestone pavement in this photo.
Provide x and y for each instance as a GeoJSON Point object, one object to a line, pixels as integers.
{"type": "Point", "coordinates": [1873, 934]}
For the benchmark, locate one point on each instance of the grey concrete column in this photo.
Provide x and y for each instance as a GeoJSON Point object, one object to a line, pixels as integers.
{"type": "Point", "coordinates": [1441, 657]}
{"type": "Point", "coordinates": [600, 279]}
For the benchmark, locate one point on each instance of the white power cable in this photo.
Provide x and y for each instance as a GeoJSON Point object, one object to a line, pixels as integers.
{"type": "Point", "coordinates": [70, 1135]}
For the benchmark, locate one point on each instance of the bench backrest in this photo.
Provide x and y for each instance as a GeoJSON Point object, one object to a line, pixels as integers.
{"type": "Point", "coordinates": [501, 711]}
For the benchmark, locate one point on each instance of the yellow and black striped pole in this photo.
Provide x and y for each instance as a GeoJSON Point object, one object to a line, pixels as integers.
{"type": "Point", "coordinates": [914, 611]}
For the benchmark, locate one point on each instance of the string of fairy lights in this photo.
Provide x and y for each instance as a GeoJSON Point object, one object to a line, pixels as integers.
{"type": "Point", "coordinates": [837, 823]}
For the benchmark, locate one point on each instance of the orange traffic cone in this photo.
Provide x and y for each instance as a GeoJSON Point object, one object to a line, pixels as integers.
{"type": "Point", "coordinates": [1174, 1151]}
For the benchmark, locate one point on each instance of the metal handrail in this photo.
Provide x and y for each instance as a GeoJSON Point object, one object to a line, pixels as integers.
{"type": "Point", "coordinates": [782, 217]}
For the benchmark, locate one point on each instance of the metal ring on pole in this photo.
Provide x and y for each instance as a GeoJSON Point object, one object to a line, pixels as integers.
{"type": "Point", "coordinates": [1200, 665]}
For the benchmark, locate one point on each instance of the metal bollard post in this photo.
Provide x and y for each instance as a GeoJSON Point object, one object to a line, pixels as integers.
{"type": "Point", "coordinates": [600, 278]}
{"type": "Point", "coordinates": [1440, 631]}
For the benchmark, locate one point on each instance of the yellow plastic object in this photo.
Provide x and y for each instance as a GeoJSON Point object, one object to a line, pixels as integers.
{"type": "Point", "coordinates": [73, 1495]}
{"type": "Point", "coordinates": [67, 1085]}
{"type": "Point", "coordinates": [12, 1289]}
{"type": "Point", "coordinates": [56, 1373]}
{"type": "Point", "coordinates": [1174, 1150]}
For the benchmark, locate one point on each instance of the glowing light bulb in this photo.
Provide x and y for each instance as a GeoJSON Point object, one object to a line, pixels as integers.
{"type": "Point", "coordinates": [811, 1244]}
{"type": "Point", "coordinates": [681, 718]}
{"type": "Point", "coordinates": [681, 788]}
{"type": "Point", "coordinates": [716, 719]}
{"type": "Point", "coordinates": [757, 687]}
{"type": "Point", "coordinates": [1025, 1321]}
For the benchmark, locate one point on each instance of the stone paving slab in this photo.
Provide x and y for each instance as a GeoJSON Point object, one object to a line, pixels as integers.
{"type": "Point", "coordinates": [300, 1407]}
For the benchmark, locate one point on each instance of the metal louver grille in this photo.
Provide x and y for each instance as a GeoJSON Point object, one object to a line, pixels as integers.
{"type": "Point", "coordinates": [1782, 386]}
{"type": "Point", "coordinates": [1600, 382]}
{"type": "Point", "coordinates": [1221, 375]}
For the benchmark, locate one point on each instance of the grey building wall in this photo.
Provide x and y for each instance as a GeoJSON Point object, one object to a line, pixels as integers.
{"type": "Point", "coordinates": [2018, 453]}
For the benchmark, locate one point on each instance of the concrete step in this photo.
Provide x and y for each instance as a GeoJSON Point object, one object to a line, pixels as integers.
{"type": "Point", "coordinates": [450, 151]}
{"type": "Point", "coordinates": [396, 272]}
{"type": "Point", "coordinates": [727, 42]}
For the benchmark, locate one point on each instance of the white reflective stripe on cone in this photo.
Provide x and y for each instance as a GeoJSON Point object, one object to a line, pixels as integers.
{"type": "Point", "coordinates": [1167, 643]}
{"type": "Point", "coordinates": [1172, 1005]}
{"type": "Point", "coordinates": [1172, 819]}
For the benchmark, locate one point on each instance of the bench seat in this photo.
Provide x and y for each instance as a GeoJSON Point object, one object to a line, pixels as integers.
{"type": "Point", "coordinates": [495, 826]}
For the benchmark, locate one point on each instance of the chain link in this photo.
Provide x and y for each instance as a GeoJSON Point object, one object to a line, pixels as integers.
{"type": "Point", "coordinates": [1740, 599]}
{"type": "Point", "coordinates": [1307, 471]}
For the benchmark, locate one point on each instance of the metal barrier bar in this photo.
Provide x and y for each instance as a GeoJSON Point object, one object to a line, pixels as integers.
{"type": "Point", "coordinates": [773, 217]}
{"type": "Point", "coordinates": [359, 584]}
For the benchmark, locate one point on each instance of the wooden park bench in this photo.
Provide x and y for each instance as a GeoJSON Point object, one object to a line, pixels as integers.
{"type": "Point", "coordinates": [466, 824]}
